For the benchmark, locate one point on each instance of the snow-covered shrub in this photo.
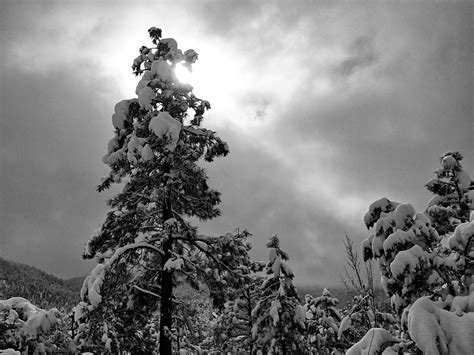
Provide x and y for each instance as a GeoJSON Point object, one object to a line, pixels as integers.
{"type": "Point", "coordinates": [279, 318]}
{"type": "Point", "coordinates": [372, 343]}
{"type": "Point", "coordinates": [360, 317]}
{"type": "Point", "coordinates": [25, 327]}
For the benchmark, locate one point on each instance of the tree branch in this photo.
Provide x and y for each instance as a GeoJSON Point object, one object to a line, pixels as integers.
{"type": "Point", "coordinates": [146, 291]}
{"type": "Point", "coordinates": [141, 245]}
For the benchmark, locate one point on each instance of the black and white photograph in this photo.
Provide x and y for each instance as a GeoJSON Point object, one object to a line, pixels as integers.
{"type": "Point", "coordinates": [190, 177]}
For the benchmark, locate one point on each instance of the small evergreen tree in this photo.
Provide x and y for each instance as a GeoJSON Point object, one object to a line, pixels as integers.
{"type": "Point", "coordinates": [278, 315]}
{"type": "Point", "coordinates": [145, 246]}
{"type": "Point", "coordinates": [453, 194]}
{"type": "Point", "coordinates": [450, 207]}
{"type": "Point", "coordinates": [404, 245]}
{"type": "Point", "coordinates": [322, 322]}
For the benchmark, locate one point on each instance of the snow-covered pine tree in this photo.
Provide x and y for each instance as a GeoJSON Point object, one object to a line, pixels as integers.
{"type": "Point", "coordinates": [322, 322]}
{"type": "Point", "coordinates": [453, 195]}
{"type": "Point", "coordinates": [427, 278]}
{"type": "Point", "coordinates": [411, 254]}
{"type": "Point", "coordinates": [278, 315]}
{"type": "Point", "coordinates": [145, 245]}
{"type": "Point", "coordinates": [450, 207]}
{"type": "Point", "coordinates": [404, 244]}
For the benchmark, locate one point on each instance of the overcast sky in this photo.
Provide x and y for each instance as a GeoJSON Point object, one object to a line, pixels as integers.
{"type": "Point", "coordinates": [326, 106]}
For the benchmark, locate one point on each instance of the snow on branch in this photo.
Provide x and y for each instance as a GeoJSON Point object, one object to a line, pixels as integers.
{"type": "Point", "coordinates": [141, 245]}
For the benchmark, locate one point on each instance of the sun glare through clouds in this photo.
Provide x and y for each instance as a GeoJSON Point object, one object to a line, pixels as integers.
{"type": "Point", "coordinates": [184, 74]}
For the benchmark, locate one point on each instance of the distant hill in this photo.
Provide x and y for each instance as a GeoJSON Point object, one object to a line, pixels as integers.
{"type": "Point", "coordinates": [40, 288]}
{"type": "Point", "coordinates": [74, 284]}
{"type": "Point", "coordinates": [47, 291]}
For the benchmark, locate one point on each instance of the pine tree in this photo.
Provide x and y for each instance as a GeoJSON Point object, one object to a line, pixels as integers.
{"type": "Point", "coordinates": [453, 194]}
{"type": "Point", "coordinates": [410, 252]}
{"type": "Point", "coordinates": [450, 207]}
{"type": "Point", "coordinates": [145, 245]}
{"type": "Point", "coordinates": [428, 274]}
{"type": "Point", "coordinates": [322, 322]}
{"type": "Point", "coordinates": [405, 246]}
{"type": "Point", "coordinates": [278, 315]}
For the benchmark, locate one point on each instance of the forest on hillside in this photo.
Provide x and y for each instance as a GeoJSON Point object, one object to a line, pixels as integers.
{"type": "Point", "coordinates": [39, 287]}
{"type": "Point", "coordinates": [160, 286]}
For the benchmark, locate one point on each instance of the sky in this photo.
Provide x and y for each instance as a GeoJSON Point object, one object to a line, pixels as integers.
{"type": "Point", "coordinates": [326, 106]}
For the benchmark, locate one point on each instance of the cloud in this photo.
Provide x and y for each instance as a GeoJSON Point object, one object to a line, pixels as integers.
{"type": "Point", "coordinates": [356, 113]}
{"type": "Point", "coordinates": [362, 55]}
{"type": "Point", "coordinates": [258, 193]}
{"type": "Point", "coordinates": [326, 107]}
{"type": "Point", "coordinates": [51, 127]}
{"type": "Point", "coordinates": [225, 18]}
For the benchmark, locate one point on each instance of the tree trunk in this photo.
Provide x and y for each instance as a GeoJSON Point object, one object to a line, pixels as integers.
{"type": "Point", "coordinates": [249, 314]}
{"type": "Point", "coordinates": [166, 320]}
{"type": "Point", "coordinates": [166, 310]}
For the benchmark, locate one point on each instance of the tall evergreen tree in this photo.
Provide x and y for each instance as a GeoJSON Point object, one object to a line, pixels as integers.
{"type": "Point", "coordinates": [145, 245]}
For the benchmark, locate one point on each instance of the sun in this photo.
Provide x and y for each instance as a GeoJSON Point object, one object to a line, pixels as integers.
{"type": "Point", "coordinates": [183, 74]}
{"type": "Point", "coordinates": [205, 78]}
